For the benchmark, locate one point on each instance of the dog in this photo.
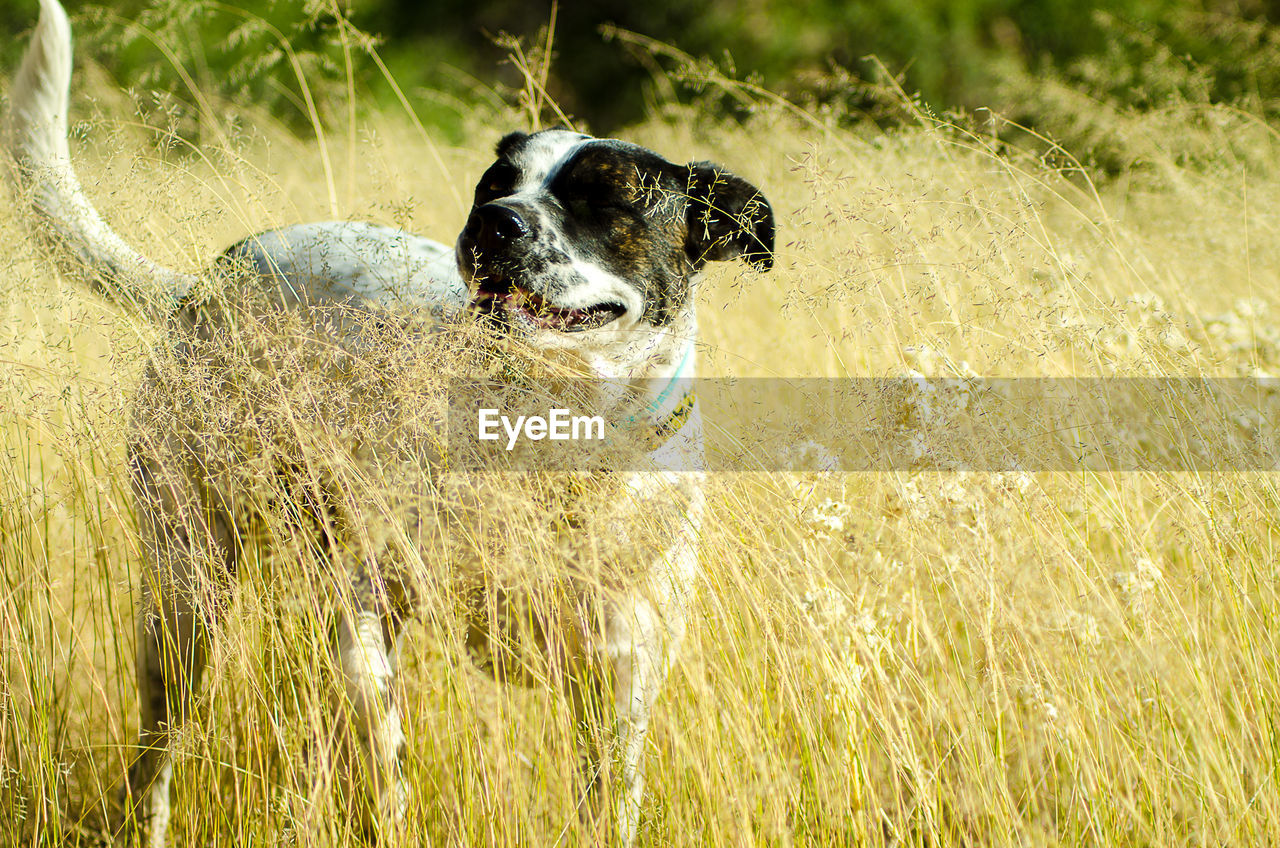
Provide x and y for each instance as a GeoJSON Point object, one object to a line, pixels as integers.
{"type": "Point", "coordinates": [577, 246]}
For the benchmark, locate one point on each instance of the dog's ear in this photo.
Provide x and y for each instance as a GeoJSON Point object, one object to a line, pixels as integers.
{"type": "Point", "coordinates": [728, 217]}
{"type": "Point", "coordinates": [507, 142]}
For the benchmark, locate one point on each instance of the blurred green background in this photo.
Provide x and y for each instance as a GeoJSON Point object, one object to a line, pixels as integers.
{"type": "Point", "coordinates": [449, 55]}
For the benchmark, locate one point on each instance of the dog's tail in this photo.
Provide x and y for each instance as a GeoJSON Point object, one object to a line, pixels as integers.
{"type": "Point", "coordinates": [35, 135]}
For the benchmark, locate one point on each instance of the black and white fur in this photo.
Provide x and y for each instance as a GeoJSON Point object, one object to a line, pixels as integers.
{"type": "Point", "coordinates": [584, 247]}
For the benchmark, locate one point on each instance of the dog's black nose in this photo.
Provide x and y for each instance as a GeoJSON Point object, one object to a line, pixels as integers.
{"type": "Point", "coordinates": [493, 227]}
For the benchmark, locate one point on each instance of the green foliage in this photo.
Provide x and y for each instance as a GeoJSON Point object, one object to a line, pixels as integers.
{"type": "Point", "coordinates": [303, 61]}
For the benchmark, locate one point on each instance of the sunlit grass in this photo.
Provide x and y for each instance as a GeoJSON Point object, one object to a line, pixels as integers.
{"type": "Point", "coordinates": [891, 658]}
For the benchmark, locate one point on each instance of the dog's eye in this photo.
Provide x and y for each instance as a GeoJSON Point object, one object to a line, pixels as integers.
{"type": "Point", "coordinates": [588, 207]}
{"type": "Point", "coordinates": [491, 190]}
{"type": "Point", "coordinates": [496, 182]}
{"type": "Point", "coordinates": [591, 200]}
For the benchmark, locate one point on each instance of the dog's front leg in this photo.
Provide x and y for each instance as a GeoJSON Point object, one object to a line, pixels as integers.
{"type": "Point", "coordinates": [365, 637]}
{"type": "Point", "coordinates": [637, 669]}
{"type": "Point", "coordinates": [642, 635]}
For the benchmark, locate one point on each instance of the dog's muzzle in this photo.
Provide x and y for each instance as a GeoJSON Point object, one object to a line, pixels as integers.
{"type": "Point", "coordinates": [497, 250]}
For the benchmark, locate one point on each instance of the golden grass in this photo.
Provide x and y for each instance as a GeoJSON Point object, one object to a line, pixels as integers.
{"type": "Point", "coordinates": [895, 658]}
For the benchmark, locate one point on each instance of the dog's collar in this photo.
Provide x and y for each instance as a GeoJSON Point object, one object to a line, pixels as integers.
{"type": "Point", "coordinates": [667, 413]}
{"type": "Point", "coordinates": [665, 429]}
{"type": "Point", "coordinates": [654, 411]}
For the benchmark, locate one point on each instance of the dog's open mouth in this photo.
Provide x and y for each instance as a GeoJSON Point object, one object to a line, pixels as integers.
{"type": "Point", "coordinates": [501, 298]}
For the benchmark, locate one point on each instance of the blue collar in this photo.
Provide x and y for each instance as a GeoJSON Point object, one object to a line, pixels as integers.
{"type": "Point", "coordinates": [655, 407]}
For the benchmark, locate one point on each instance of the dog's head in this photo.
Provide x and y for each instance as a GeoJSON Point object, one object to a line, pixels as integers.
{"type": "Point", "coordinates": [575, 241]}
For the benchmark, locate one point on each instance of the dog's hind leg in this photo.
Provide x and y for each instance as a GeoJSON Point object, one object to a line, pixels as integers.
{"type": "Point", "coordinates": [192, 554]}
{"type": "Point", "coordinates": [365, 639]}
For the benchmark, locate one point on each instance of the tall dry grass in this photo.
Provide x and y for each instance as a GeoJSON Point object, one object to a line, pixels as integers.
{"type": "Point", "coordinates": [894, 658]}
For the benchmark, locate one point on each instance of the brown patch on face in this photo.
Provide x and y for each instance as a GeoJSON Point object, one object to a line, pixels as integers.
{"type": "Point", "coordinates": [625, 209]}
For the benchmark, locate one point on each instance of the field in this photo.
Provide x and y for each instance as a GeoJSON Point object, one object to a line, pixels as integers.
{"type": "Point", "coordinates": [904, 657]}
